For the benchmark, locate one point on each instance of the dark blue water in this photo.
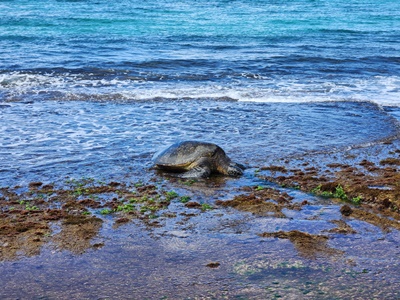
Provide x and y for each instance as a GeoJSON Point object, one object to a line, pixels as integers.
{"type": "Point", "coordinates": [295, 51]}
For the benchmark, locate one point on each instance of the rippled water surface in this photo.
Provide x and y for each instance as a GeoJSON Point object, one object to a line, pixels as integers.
{"type": "Point", "coordinates": [57, 139]}
{"type": "Point", "coordinates": [171, 262]}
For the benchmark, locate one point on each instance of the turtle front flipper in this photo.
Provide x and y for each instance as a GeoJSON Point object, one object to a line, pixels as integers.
{"type": "Point", "coordinates": [197, 172]}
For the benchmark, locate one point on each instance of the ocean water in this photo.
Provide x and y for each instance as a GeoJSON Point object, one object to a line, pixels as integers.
{"type": "Point", "coordinates": [247, 50]}
{"type": "Point", "coordinates": [97, 83]}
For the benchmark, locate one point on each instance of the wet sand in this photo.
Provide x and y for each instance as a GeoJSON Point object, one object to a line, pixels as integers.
{"type": "Point", "coordinates": [320, 226]}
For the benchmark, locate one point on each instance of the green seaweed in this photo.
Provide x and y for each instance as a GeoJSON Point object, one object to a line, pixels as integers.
{"type": "Point", "coordinates": [171, 195]}
{"type": "Point", "coordinates": [105, 211]}
{"type": "Point", "coordinates": [184, 199]}
{"type": "Point", "coordinates": [206, 206]}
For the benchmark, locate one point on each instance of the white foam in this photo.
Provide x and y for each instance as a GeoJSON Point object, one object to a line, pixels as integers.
{"type": "Point", "coordinates": [381, 90]}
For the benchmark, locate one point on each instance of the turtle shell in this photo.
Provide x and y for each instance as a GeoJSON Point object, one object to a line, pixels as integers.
{"type": "Point", "coordinates": [182, 154]}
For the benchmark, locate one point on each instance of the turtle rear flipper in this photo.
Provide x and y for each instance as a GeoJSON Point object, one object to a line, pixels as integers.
{"type": "Point", "coordinates": [197, 172]}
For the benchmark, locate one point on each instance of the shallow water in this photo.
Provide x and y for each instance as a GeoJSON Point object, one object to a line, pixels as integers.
{"type": "Point", "coordinates": [92, 139]}
{"type": "Point", "coordinates": [171, 261]}
{"type": "Point", "coordinates": [117, 140]}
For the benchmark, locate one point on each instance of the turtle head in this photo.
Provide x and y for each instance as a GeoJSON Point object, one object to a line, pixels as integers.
{"type": "Point", "coordinates": [234, 170]}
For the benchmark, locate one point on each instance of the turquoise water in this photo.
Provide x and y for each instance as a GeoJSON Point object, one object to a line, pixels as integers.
{"type": "Point", "coordinates": [267, 51]}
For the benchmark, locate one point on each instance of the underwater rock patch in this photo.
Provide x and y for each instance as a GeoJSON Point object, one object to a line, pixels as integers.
{"type": "Point", "coordinates": [308, 245]}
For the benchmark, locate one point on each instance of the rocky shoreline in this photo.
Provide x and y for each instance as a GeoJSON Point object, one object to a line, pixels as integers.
{"type": "Point", "coordinates": [368, 190]}
{"type": "Point", "coordinates": [357, 185]}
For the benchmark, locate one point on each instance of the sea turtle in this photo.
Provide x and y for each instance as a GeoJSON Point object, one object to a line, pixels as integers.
{"type": "Point", "coordinates": [196, 160]}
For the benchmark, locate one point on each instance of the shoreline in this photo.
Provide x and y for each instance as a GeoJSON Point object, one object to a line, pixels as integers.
{"type": "Point", "coordinates": [81, 217]}
{"type": "Point", "coordinates": [76, 140]}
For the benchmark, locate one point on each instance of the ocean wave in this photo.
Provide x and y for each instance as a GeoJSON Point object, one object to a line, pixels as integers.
{"type": "Point", "coordinates": [119, 85]}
